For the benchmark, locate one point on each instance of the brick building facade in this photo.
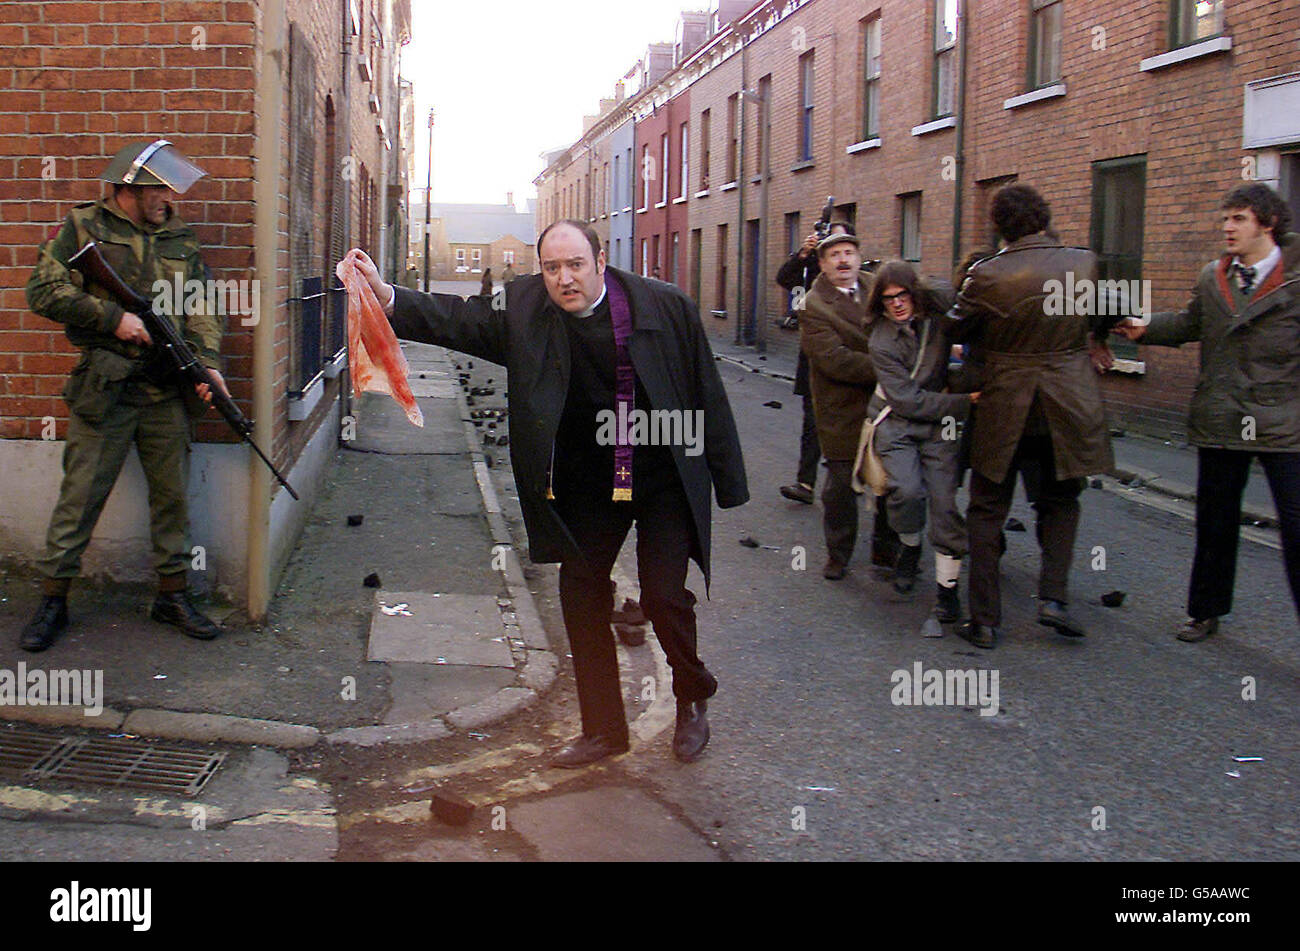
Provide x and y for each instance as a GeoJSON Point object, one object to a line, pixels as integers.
{"type": "Point", "coordinates": [1133, 118]}
{"type": "Point", "coordinates": [89, 78]}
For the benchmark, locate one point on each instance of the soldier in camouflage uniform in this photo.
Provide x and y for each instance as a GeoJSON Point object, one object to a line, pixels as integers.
{"type": "Point", "coordinates": [117, 395]}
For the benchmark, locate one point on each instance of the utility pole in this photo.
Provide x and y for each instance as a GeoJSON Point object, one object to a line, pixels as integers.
{"type": "Point", "coordinates": [428, 202]}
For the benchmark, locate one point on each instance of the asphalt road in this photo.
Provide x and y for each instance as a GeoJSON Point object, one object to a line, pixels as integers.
{"type": "Point", "coordinates": [1116, 747]}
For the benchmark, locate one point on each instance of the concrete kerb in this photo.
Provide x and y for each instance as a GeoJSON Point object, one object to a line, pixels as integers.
{"type": "Point", "coordinates": [1137, 477]}
{"type": "Point", "coordinates": [1130, 475]}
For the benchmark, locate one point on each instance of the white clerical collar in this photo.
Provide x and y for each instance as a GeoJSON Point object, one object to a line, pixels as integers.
{"type": "Point", "coordinates": [1264, 267]}
{"type": "Point", "coordinates": [592, 309]}
{"type": "Point", "coordinates": [849, 291]}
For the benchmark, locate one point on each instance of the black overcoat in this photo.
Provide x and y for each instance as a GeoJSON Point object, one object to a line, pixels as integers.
{"type": "Point", "coordinates": [669, 351]}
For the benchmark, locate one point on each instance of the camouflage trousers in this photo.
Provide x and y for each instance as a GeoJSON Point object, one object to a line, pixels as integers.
{"type": "Point", "coordinates": [92, 460]}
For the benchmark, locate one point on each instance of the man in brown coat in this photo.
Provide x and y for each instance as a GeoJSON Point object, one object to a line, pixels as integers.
{"type": "Point", "coordinates": [834, 330]}
{"type": "Point", "coordinates": [1040, 411]}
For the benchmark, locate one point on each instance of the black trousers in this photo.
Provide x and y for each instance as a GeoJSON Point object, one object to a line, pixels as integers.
{"type": "Point", "coordinates": [665, 535]}
{"type": "Point", "coordinates": [1056, 503]}
{"type": "Point", "coordinates": [840, 516]}
{"type": "Point", "coordinates": [810, 447]}
{"type": "Point", "coordinates": [1220, 480]}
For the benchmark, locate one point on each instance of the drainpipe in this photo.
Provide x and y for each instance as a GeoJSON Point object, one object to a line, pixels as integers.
{"type": "Point", "coordinates": [963, 22]}
{"type": "Point", "coordinates": [740, 191]}
{"type": "Point", "coordinates": [268, 109]}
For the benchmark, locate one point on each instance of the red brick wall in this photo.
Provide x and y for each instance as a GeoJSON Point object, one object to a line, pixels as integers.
{"type": "Point", "coordinates": [1186, 119]}
{"type": "Point", "coordinates": [89, 78]}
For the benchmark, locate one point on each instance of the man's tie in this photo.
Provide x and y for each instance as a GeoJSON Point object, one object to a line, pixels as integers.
{"type": "Point", "coordinates": [1247, 277]}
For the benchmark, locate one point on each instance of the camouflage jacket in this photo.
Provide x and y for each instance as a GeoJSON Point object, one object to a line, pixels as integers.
{"type": "Point", "coordinates": [141, 255]}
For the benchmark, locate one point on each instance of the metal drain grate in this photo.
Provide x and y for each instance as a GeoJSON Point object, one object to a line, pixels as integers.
{"type": "Point", "coordinates": [118, 762]}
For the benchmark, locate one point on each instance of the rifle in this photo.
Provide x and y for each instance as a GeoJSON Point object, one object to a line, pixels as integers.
{"type": "Point", "coordinates": [172, 346]}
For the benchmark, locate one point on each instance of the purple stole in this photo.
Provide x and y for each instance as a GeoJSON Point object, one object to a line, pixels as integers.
{"type": "Point", "coordinates": [625, 388]}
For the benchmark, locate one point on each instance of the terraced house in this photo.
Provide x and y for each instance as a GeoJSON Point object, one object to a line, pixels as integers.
{"type": "Point", "coordinates": [1133, 117]}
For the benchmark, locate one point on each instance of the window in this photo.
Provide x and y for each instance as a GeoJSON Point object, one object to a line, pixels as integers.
{"type": "Point", "coordinates": [733, 137]}
{"type": "Point", "coordinates": [605, 194]}
{"type": "Point", "coordinates": [631, 180]}
{"type": "Point", "coordinates": [1118, 212]}
{"type": "Point", "coordinates": [705, 129]}
{"type": "Point", "coordinates": [672, 260]}
{"type": "Point", "coordinates": [645, 258]}
{"type": "Point", "coordinates": [1289, 185]}
{"type": "Point", "coordinates": [697, 270]}
{"type": "Point", "coordinates": [871, 79]}
{"type": "Point", "coordinates": [806, 79]}
{"type": "Point", "coordinates": [721, 301]}
{"type": "Point", "coordinates": [686, 160]}
{"type": "Point", "coordinates": [1045, 43]}
{"type": "Point", "coordinates": [618, 252]}
{"type": "Point", "coordinates": [1191, 21]}
{"type": "Point", "coordinates": [656, 261]}
{"type": "Point", "coordinates": [945, 57]}
{"type": "Point", "coordinates": [663, 168]}
{"type": "Point", "coordinates": [617, 200]}
{"type": "Point", "coordinates": [460, 259]}
{"type": "Point", "coordinates": [910, 238]}
{"type": "Point", "coordinates": [645, 176]}
{"type": "Point", "coordinates": [793, 239]}
{"type": "Point", "coordinates": [476, 255]}
{"type": "Point", "coordinates": [508, 257]}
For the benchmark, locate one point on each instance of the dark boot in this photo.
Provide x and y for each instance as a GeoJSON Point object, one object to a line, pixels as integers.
{"type": "Point", "coordinates": [947, 605]}
{"type": "Point", "coordinates": [692, 733]}
{"type": "Point", "coordinates": [174, 607]}
{"type": "Point", "coordinates": [50, 620]}
{"type": "Point", "coordinates": [907, 568]}
{"type": "Point", "coordinates": [884, 540]}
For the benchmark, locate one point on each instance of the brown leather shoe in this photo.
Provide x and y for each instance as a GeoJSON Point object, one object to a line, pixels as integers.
{"type": "Point", "coordinates": [692, 732]}
{"type": "Point", "coordinates": [834, 570]}
{"type": "Point", "coordinates": [1194, 630]}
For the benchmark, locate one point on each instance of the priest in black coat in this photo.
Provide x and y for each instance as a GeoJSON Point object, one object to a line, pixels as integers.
{"type": "Point", "coordinates": [586, 347]}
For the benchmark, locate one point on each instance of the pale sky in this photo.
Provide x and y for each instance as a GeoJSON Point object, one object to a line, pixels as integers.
{"type": "Point", "coordinates": [509, 79]}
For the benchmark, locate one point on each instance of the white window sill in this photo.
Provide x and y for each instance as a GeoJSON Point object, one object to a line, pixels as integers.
{"type": "Point", "coordinates": [300, 407]}
{"type": "Point", "coordinates": [863, 146]}
{"type": "Point", "coordinates": [680, 200]}
{"type": "Point", "coordinates": [627, 209]}
{"type": "Point", "coordinates": [335, 366]}
{"type": "Point", "coordinates": [1218, 44]}
{"type": "Point", "coordinates": [1054, 91]}
{"type": "Point", "coordinates": [613, 214]}
{"type": "Point", "coordinates": [661, 204]}
{"type": "Point", "coordinates": [641, 211]}
{"type": "Point", "coordinates": [729, 186]}
{"type": "Point", "coordinates": [947, 122]}
{"type": "Point", "coordinates": [703, 194]}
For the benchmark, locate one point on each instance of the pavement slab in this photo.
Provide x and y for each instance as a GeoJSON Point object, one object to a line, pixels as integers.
{"type": "Point", "coordinates": [607, 825]}
{"type": "Point", "coordinates": [423, 628]}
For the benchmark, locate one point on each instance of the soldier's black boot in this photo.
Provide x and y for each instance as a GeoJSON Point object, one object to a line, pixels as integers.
{"type": "Point", "coordinates": [906, 568]}
{"type": "Point", "coordinates": [50, 620]}
{"type": "Point", "coordinates": [174, 607]}
{"type": "Point", "coordinates": [947, 606]}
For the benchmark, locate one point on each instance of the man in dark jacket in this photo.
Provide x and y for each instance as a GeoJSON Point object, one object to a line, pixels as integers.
{"type": "Point", "coordinates": [834, 334]}
{"type": "Point", "coordinates": [1245, 312]}
{"type": "Point", "coordinates": [1040, 404]}
{"type": "Point", "coordinates": [586, 348]}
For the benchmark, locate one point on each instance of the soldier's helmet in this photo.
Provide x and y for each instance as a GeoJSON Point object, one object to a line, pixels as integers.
{"type": "Point", "coordinates": [153, 163]}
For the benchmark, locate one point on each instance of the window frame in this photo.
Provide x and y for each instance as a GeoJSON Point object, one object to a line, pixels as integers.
{"type": "Point", "coordinates": [944, 56]}
{"type": "Point", "coordinates": [807, 103]}
{"type": "Point", "coordinates": [905, 201]}
{"type": "Point", "coordinates": [1039, 11]}
{"type": "Point", "coordinates": [871, 83]}
{"type": "Point", "coordinates": [1182, 17]}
